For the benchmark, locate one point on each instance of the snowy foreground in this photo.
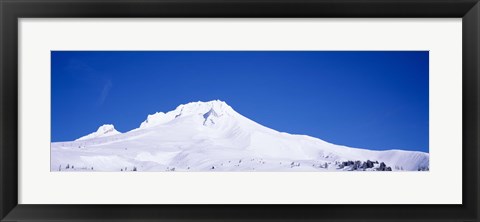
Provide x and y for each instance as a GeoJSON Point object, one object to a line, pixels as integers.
{"type": "Point", "coordinates": [211, 136]}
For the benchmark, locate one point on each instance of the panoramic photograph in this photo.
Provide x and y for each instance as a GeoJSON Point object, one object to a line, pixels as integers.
{"type": "Point", "coordinates": [239, 111]}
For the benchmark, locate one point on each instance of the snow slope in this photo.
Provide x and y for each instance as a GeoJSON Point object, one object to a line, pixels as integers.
{"type": "Point", "coordinates": [211, 136]}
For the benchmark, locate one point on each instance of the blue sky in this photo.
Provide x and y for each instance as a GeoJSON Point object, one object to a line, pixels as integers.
{"type": "Point", "coordinates": [373, 99]}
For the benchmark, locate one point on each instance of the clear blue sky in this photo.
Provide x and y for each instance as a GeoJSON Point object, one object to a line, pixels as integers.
{"type": "Point", "coordinates": [374, 100]}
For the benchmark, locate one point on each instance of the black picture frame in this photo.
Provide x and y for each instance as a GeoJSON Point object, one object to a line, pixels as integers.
{"type": "Point", "coordinates": [12, 10]}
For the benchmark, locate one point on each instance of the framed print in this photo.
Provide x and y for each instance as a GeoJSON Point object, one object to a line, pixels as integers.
{"type": "Point", "coordinates": [224, 110]}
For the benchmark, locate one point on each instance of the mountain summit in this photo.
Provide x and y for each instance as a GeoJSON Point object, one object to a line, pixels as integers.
{"type": "Point", "coordinates": [212, 136]}
{"type": "Point", "coordinates": [103, 131]}
{"type": "Point", "coordinates": [215, 107]}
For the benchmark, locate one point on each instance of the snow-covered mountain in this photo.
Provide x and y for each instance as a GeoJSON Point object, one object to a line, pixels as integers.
{"type": "Point", "coordinates": [211, 136]}
{"type": "Point", "coordinates": [103, 131]}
